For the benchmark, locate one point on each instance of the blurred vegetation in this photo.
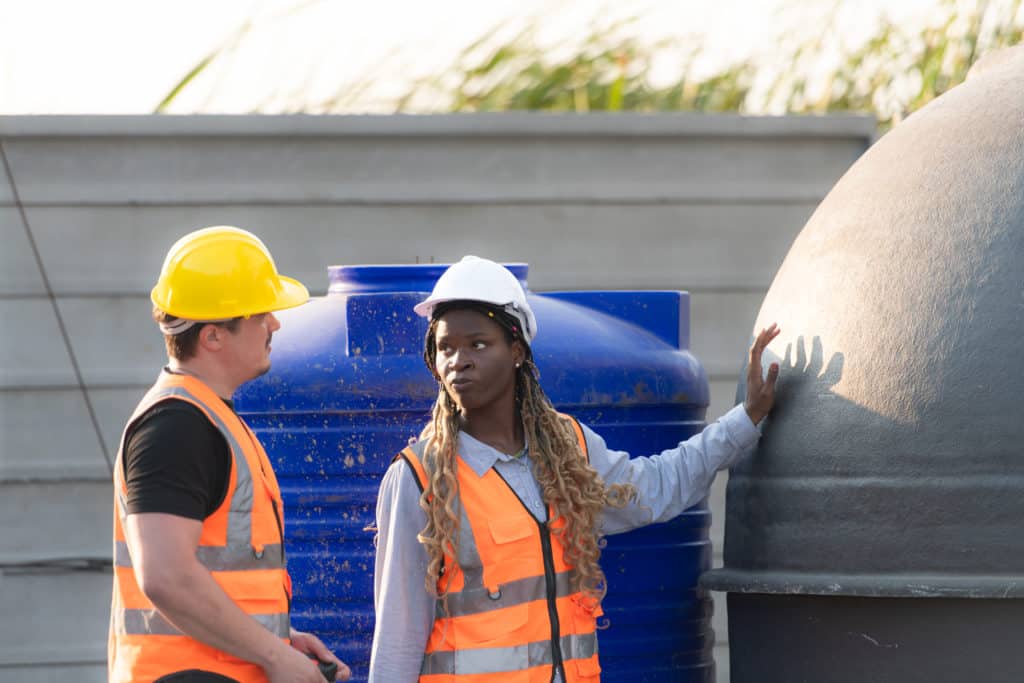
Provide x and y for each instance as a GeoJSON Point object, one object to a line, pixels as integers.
{"type": "Point", "coordinates": [896, 70]}
{"type": "Point", "coordinates": [607, 71]}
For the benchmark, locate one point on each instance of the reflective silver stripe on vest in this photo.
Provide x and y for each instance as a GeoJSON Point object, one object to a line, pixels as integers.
{"type": "Point", "coordinates": [149, 622]}
{"type": "Point", "coordinates": [582, 646]}
{"type": "Point", "coordinates": [468, 556]}
{"type": "Point", "coordinates": [491, 660]}
{"type": "Point", "coordinates": [240, 512]}
{"type": "Point", "coordinates": [122, 558]}
{"type": "Point", "coordinates": [479, 599]}
{"type": "Point", "coordinates": [220, 559]}
{"type": "Point", "coordinates": [239, 529]}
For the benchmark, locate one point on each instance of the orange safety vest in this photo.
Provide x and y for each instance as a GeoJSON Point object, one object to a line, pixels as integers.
{"type": "Point", "coordinates": [515, 611]}
{"type": "Point", "coordinates": [241, 544]}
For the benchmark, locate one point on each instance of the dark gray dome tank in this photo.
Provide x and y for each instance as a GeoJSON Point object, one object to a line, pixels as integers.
{"type": "Point", "coordinates": [877, 534]}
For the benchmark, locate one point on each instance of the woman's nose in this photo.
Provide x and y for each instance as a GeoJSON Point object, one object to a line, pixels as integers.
{"type": "Point", "coordinates": [458, 360]}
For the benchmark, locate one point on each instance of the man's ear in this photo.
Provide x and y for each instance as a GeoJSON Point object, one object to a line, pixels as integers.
{"type": "Point", "coordinates": [210, 337]}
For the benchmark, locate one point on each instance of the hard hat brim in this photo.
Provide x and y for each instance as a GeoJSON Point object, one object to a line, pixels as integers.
{"type": "Point", "coordinates": [293, 293]}
{"type": "Point", "coordinates": [424, 309]}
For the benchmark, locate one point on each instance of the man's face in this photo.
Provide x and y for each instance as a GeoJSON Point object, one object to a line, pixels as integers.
{"type": "Point", "coordinates": [247, 349]}
{"type": "Point", "coordinates": [475, 361]}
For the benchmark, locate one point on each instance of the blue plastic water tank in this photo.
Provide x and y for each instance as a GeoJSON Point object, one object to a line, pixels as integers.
{"type": "Point", "coordinates": [348, 389]}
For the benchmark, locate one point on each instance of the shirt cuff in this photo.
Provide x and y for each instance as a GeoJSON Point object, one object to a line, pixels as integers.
{"type": "Point", "coordinates": [740, 427]}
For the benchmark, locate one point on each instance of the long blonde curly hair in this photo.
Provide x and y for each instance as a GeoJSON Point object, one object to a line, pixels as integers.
{"type": "Point", "coordinates": [569, 485]}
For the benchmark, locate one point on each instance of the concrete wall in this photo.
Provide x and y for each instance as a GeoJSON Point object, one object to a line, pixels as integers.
{"type": "Point", "coordinates": [709, 204]}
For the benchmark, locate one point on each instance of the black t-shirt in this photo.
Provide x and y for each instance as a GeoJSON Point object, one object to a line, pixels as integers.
{"type": "Point", "coordinates": [176, 461]}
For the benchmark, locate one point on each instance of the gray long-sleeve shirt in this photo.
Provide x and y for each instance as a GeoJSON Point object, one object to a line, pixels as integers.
{"type": "Point", "coordinates": [667, 484]}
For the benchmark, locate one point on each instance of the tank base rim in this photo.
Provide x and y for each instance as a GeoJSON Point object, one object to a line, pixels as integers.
{"type": "Point", "coordinates": [881, 585]}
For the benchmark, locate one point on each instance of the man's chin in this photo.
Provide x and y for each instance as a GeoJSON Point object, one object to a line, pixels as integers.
{"type": "Point", "coordinates": [259, 374]}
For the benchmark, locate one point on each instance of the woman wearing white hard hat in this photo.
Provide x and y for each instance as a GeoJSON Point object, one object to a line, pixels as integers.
{"type": "Point", "coordinates": [489, 527]}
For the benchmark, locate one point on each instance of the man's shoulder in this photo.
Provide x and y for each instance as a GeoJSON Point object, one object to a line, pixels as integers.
{"type": "Point", "coordinates": [169, 416]}
{"type": "Point", "coordinates": [175, 461]}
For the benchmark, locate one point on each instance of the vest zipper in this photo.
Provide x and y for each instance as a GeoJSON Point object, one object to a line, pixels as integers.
{"type": "Point", "coordinates": [549, 580]}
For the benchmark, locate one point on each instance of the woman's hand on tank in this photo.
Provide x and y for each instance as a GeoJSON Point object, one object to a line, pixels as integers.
{"type": "Point", "coordinates": [761, 390]}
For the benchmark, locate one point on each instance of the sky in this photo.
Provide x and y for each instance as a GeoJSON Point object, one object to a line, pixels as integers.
{"type": "Point", "coordinates": [124, 56]}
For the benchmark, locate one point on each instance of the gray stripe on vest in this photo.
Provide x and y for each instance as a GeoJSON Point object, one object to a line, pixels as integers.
{"type": "Point", "coordinates": [492, 660]}
{"type": "Point", "coordinates": [240, 558]}
{"type": "Point", "coordinates": [582, 646]}
{"type": "Point", "coordinates": [149, 622]}
{"type": "Point", "coordinates": [240, 511]}
{"type": "Point", "coordinates": [468, 556]}
{"type": "Point", "coordinates": [478, 600]}
{"type": "Point", "coordinates": [471, 566]}
{"type": "Point", "coordinates": [220, 558]}
{"type": "Point", "coordinates": [487, 660]}
{"type": "Point", "coordinates": [122, 558]}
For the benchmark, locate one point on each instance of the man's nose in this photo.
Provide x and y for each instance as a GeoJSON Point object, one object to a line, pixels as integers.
{"type": "Point", "coordinates": [273, 324]}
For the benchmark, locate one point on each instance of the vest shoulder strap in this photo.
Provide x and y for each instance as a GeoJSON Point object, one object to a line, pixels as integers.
{"type": "Point", "coordinates": [413, 457]}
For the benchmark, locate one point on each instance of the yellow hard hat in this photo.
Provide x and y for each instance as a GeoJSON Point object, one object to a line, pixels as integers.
{"type": "Point", "coordinates": [223, 272]}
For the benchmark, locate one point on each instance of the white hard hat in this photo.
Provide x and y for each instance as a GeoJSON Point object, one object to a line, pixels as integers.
{"type": "Point", "coordinates": [478, 279]}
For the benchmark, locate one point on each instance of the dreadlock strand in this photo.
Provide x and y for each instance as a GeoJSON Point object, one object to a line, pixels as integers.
{"type": "Point", "coordinates": [440, 535]}
{"type": "Point", "coordinates": [568, 483]}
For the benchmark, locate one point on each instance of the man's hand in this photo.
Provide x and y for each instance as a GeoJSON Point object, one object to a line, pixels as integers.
{"type": "Point", "coordinates": [761, 392]}
{"type": "Point", "coordinates": [312, 646]}
{"type": "Point", "coordinates": [288, 665]}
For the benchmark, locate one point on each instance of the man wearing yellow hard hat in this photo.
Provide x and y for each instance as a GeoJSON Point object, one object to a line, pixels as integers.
{"type": "Point", "coordinates": [201, 591]}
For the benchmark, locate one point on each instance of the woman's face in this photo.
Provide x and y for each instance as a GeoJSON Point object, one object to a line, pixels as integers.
{"type": "Point", "coordinates": [475, 360]}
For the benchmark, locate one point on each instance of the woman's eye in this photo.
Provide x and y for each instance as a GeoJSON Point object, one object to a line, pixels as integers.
{"type": "Point", "coordinates": [479, 345]}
